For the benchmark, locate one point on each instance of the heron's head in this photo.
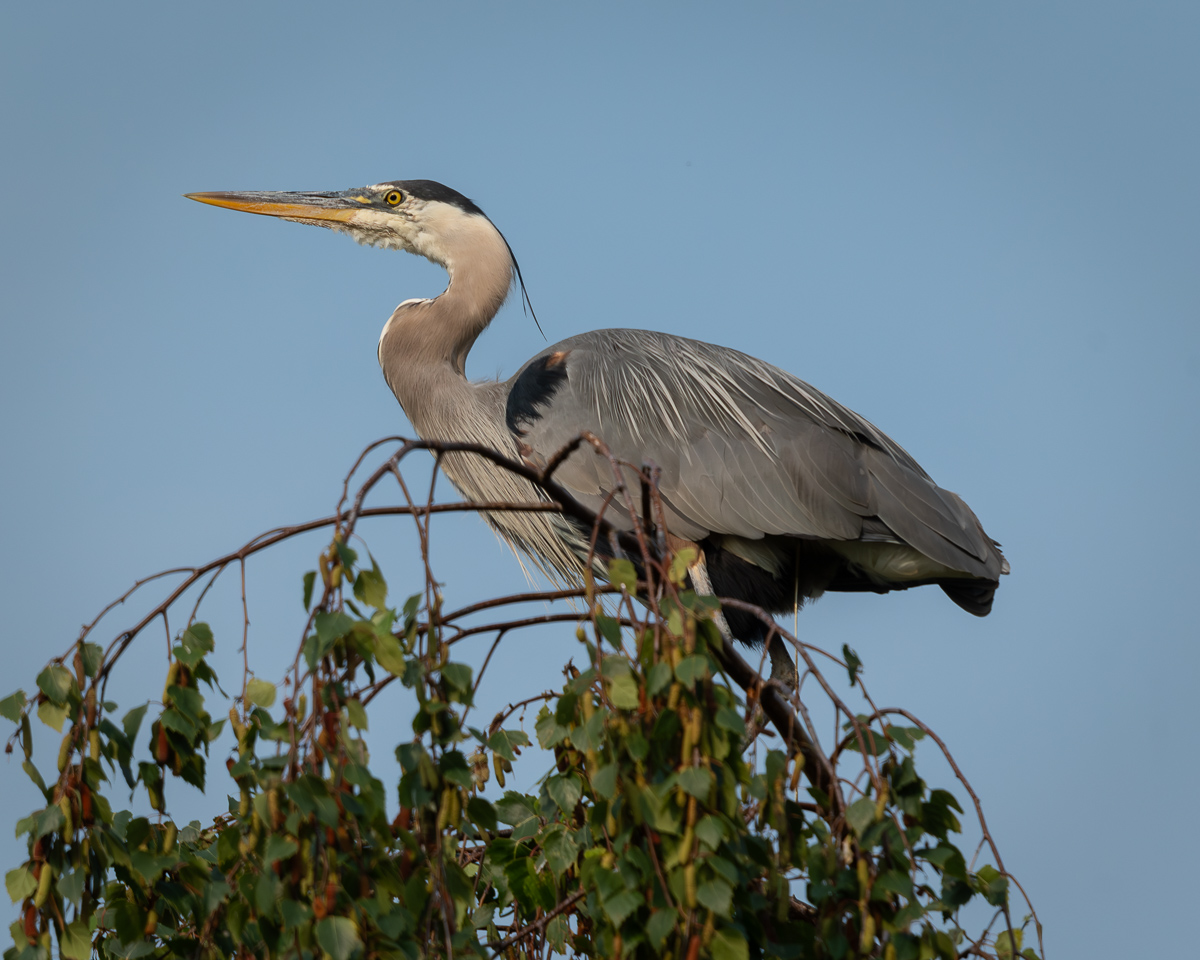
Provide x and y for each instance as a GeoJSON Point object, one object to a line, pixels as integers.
{"type": "Point", "coordinates": [420, 216]}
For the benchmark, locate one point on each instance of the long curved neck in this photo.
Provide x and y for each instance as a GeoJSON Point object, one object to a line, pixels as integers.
{"type": "Point", "coordinates": [423, 348]}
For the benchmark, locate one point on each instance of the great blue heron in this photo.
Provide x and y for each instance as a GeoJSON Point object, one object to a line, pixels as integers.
{"type": "Point", "coordinates": [784, 492]}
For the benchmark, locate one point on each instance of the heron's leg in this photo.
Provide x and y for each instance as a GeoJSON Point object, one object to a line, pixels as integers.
{"type": "Point", "coordinates": [699, 575]}
{"type": "Point", "coordinates": [782, 668]}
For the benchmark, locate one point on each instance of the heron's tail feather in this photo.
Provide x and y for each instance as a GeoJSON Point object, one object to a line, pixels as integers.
{"type": "Point", "coordinates": [974, 596]}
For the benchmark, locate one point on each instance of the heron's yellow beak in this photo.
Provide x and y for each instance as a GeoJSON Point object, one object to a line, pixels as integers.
{"type": "Point", "coordinates": [291, 206]}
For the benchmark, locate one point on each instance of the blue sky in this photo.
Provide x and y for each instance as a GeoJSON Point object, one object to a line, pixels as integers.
{"type": "Point", "coordinates": [977, 225]}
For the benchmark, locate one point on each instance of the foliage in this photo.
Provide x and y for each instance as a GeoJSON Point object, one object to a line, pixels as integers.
{"type": "Point", "coordinates": [658, 830]}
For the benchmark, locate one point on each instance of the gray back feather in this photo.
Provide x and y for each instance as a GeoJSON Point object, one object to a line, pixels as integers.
{"type": "Point", "coordinates": [745, 448]}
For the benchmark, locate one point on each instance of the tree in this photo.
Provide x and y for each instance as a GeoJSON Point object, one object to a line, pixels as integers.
{"type": "Point", "coordinates": [664, 827]}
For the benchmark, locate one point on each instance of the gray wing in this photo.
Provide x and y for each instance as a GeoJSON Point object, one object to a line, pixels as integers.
{"type": "Point", "coordinates": [745, 448]}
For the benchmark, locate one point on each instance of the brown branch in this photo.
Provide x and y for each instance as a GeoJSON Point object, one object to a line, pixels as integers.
{"type": "Point", "coordinates": [982, 821]}
{"type": "Point", "coordinates": [263, 542]}
{"type": "Point", "coordinates": [529, 622]}
{"type": "Point", "coordinates": [532, 597]}
{"type": "Point", "coordinates": [537, 925]}
{"type": "Point", "coordinates": [816, 765]}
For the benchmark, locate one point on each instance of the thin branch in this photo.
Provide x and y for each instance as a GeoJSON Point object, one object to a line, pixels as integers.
{"type": "Point", "coordinates": [537, 925]}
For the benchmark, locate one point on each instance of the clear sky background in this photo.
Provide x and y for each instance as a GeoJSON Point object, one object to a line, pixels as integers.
{"type": "Point", "coordinates": [976, 224]}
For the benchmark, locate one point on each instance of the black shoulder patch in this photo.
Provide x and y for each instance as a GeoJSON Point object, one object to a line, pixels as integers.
{"type": "Point", "coordinates": [432, 190]}
{"type": "Point", "coordinates": [534, 388]}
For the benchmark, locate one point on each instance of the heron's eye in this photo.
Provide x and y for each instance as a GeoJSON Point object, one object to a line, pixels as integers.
{"type": "Point", "coordinates": [394, 198]}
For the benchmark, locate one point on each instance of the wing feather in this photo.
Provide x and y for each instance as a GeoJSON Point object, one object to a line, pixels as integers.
{"type": "Point", "coordinates": [746, 449]}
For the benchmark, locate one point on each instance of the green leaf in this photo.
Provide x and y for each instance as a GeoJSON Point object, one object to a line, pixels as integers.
{"type": "Point", "coordinates": [608, 882]}
{"type": "Point", "coordinates": [557, 932]}
{"type": "Point", "coordinates": [657, 678]}
{"type": "Point", "coordinates": [189, 702]}
{"type": "Point", "coordinates": [103, 811]}
{"type": "Point", "coordinates": [680, 563]}
{"type": "Point", "coordinates": [330, 627]}
{"type": "Point", "coordinates": [267, 892]}
{"type": "Point", "coordinates": [215, 893]}
{"type": "Point", "coordinates": [150, 865]}
{"type": "Point", "coordinates": [659, 926]}
{"type": "Point", "coordinates": [357, 713]}
{"type": "Point", "coordinates": [34, 775]}
{"type": "Point", "coordinates": [622, 688]}
{"type": "Point", "coordinates": [261, 693]}
{"type": "Point", "coordinates": [726, 869]}
{"type": "Point", "coordinates": [132, 722]}
{"type": "Point", "coordinates": [195, 642]}
{"type": "Point", "coordinates": [853, 664]}
{"type": "Point", "coordinates": [370, 587]}
{"type": "Point", "coordinates": [717, 895]}
{"type": "Point", "coordinates": [566, 707]}
{"type": "Point", "coordinates": [621, 573]}
{"type": "Point", "coordinates": [56, 682]}
{"type": "Point", "coordinates": [311, 795]}
{"type": "Point", "coordinates": [729, 944]}
{"type": "Point", "coordinates": [609, 628]}
{"type": "Point", "coordinates": [309, 579]}
{"type": "Point", "coordinates": [622, 905]}
{"type": "Point", "coordinates": [133, 949]}
{"type": "Point", "coordinates": [892, 881]}
{"type": "Point", "coordinates": [947, 858]}
{"type": "Point", "coordinates": [454, 767]}
{"type": "Point", "coordinates": [52, 715]}
{"type": "Point", "coordinates": [604, 781]}
{"type": "Point", "coordinates": [993, 885]}
{"type": "Point", "coordinates": [589, 736]}
{"type": "Point", "coordinates": [506, 742]}
{"type": "Point", "coordinates": [175, 720]}
{"type": "Point", "coordinates": [1004, 944]}
{"type": "Point", "coordinates": [861, 814]}
{"type": "Point", "coordinates": [565, 791]}
{"type": "Point", "coordinates": [663, 814]}
{"type": "Point", "coordinates": [936, 817]}
{"type": "Point", "coordinates": [338, 936]}
{"type": "Point", "coordinates": [905, 737]}
{"type": "Point", "coordinates": [710, 832]}
{"type": "Point", "coordinates": [697, 781]}
{"type": "Point", "coordinates": [637, 745]}
{"type": "Point", "coordinates": [482, 813]}
{"type": "Point", "coordinates": [12, 705]}
{"type": "Point", "coordinates": [873, 744]}
{"type": "Point", "coordinates": [71, 886]}
{"type": "Point", "coordinates": [514, 808]}
{"type": "Point", "coordinates": [389, 655]}
{"type": "Point", "coordinates": [549, 731]}
{"type": "Point", "coordinates": [92, 654]}
{"type": "Point", "coordinates": [20, 883]}
{"type": "Point", "coordinates": [75, 942]}
{"type": "Point", "coordinates": [279, 848]}
{"type": "Point", "coordinates": [346, 554]}
{"type": "Point", "coordinates": [690, 669]}
{"type": "Point", "coordinates": [48, 821]}
{"type": "Point", "coordinates": [561, 850]}
{"type": "Point", "coordinates": [729, 719]}
{"type": "Point", "coordinates": [458, 675]}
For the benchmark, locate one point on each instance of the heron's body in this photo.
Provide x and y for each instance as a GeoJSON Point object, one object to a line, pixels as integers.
{"type": "Point", "coordinates": [785, 492]}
